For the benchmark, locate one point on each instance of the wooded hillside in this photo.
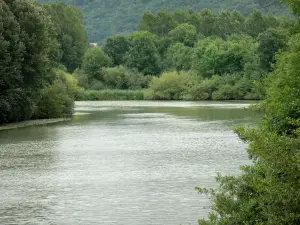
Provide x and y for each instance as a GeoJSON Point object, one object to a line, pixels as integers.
{"type": "Point", "coordinates": [107, 17]}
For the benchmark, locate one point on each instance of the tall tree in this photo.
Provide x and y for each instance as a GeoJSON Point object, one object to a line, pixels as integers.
{"type": "Point", "coordinates": [116, 48]}
{"type": "Point", "coordinates": [184, 33]}
{"type": "Point", "coordinates": [70, 34]}
{"type": "Point", "coordinates": [143, 54]}
{"type": "Point", "coordinates": [26, 53]}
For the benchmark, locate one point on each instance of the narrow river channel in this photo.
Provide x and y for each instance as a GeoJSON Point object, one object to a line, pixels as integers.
{"type": "Point", "coordinates": [128, 163]}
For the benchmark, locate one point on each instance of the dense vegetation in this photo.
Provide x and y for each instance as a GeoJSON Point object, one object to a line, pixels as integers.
{"type": "Point", "coordinates": [188, 55]}
{"type": "Point", "coordinates": [180, 55]}
{"type": "Point", "coordinates": [104, 18]}
{"type": "Point", "coordinates": [38, 45]}
{"type": "Point", "coordinates": [267, 192]}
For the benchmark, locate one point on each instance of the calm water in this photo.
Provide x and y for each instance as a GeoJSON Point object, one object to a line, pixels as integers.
{"type": "Point", "coordinates": [126, 163]}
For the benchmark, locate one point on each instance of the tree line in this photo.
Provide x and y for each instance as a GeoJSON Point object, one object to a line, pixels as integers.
{"type": "Point", "coordinates": [188, 55]}
{"type": "Point", "coordinates": [39, 45]}
{"type": "Point", "coordinates": [180, 55]}
{"type": "Point", "coordinates": [104, 18]}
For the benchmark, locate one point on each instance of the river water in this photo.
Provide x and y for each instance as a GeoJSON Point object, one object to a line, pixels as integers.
{"type": "Point", "coordinates": [128, 163]}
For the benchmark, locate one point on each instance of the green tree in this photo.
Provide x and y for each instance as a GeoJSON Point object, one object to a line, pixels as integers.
{"type": "Point", "coordinates": [116, 48]}
{"type": "Point", "coordinates": [169, 86]}
{"type": "Point", "coordinates": [184, 33]}
{"type": "Point", "coordinates": [143, 54]}
{"type": "Point", "coordinates": [57, 99]}
{"type": "Point", "coordinates": [207, 23]}
{"type": "Point", "coordinates": [270, 42]}
{"type": "Point", "coordinates": [25, 64]}
{"type": "Point", "coordinates": [267, 192]}
{"type": "Point", "coordinates": [94, 62]}
{"type": "Point", "coordinates": [159, 24]}
{"type": "Point", "coordinates": [216, 56]}
{"type": "Point", "coordinates": [255, 24]}
{"type": "Point", "coordinates": [179, 57]}
{"type": "Point", "coordinates": [70, 34]}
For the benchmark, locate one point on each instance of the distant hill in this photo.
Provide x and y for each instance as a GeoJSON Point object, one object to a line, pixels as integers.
{"type": "Point", "coordinates": [107, 17]}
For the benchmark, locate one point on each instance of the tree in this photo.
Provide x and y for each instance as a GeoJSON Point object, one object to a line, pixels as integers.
{"type": "Point", "coordinates": [255, 24]}
{"type": "Point", "coordinates": [25, 63]}
{"type": "Point", "coordinates": [116, 48]}
{"type": "Point", "coordinates": [179, 57]}
{"type": "Point", "coordinates": [94, 62]}
{"type": "Point", "coordinates": [267, 192]}
{"type": "Point", "coordinates": [143, 54]}
{"type": "Point", "coordinates": [216, 56]}
{"type": "Point", "coordinates": [12, 50]}
{"type": "Point", "coordinates": [184, 33]}
{"type": "Point", "coordinates": [70, 34]}
{"type": "Point", "coordinates": [207, 23]}
{"type": "Point", "coordinates": [270, 42]}
{"type": "Point", "coordinates": [159, 24]}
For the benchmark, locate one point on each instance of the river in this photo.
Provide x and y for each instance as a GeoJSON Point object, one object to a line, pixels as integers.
{"type": "Point", "coordinates": [117, 162]}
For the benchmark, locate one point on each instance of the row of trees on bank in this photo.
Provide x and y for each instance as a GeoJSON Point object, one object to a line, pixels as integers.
{"type": "Point", "coordinates": [184, 55]}
{"type": "Point", "coordinates": [39, 44]}
{"type": "Point", "coordinates": [222, 55]}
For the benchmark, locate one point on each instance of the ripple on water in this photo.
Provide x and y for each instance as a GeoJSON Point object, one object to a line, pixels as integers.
{"type": "Point", "coordinates": [116, 166]}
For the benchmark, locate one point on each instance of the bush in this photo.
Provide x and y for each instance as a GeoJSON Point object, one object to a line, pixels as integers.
{"type": "Point", "coordinates": [123, 78]}
{"type": "Point", "coordinates": [57, 100]}
{"type": "Point", "coordinates": [82, 78]}
{"type": "Point", "coordinates": [169, 86]}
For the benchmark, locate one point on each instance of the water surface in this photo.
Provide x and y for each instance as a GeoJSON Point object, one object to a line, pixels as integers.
{"type": "Point", "coordinates": [120, 163]}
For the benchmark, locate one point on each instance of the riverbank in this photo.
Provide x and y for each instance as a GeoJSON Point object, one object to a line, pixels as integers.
{"type": "Point", "coordinates": [148, 94]}
{"type": "Point", "coordinates": [30, 123]}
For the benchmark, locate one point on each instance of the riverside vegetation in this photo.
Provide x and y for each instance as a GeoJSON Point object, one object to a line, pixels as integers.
{"type": "Point", "coordinates": [267, 192]}
{"type": "Point", "coordinates": [179, 55]}
{"type": "Point", "coordinates": [186, 55]}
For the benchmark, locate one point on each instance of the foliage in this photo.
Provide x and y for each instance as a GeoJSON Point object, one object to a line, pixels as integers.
{"type": "Point", "coordinates": [57, 100]}
{"type": "Point", "coordinates": [94, 62]}
{"type": "Point", "coordinates": [179, 57]}
{"type": "Point", "coordinates": [29, 44]}
{"type": "Point", "coordinates": [270, 42]}
{"type": "Point", "coordinates": [190, 86]}
{"type": "Point", "coordinates": [184, 33]}
{"type": "Point", "coordinates": [93, 95]}
{"type": "Point", "coordinates": [124, 78]}
{"type": "Point", "coordinates": [24, 58]}
{"type": "Point", "coordinates": [267, 192]}
{"type": "Point", "coordinates": [70, 33]}
{"type": "Point", "coordinates": [170, 86]}
{"type": "Point", "coordinates": [104, 18]}
{"type": "Point", "coordinates": [116, 48]}
{"type": "Point", "coordinates": [282, 105]}
{"type": "Point", "coordinates": [143, 54]}
{"type": "Point", "coordinates": [217, 56]}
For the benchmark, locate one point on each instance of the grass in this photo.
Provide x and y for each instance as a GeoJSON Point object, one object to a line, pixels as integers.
{"type": "Point", "coordinates": [94, 95]}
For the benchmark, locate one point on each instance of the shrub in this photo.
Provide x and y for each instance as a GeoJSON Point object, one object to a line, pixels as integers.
{"type": "Point", "coordinates": [124, 78]}
{"type": "Point", "coordinates": [169, 86]}
{"type": "Point", "coordinates": [57, 100]}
